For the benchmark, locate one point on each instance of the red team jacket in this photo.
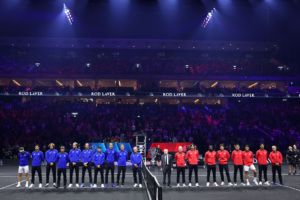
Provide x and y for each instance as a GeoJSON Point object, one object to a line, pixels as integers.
{"type": "Point", "coordinates": [192, 157]}
{"type": "Point", "coordinates": [237, 157]}
{"type": "Point", "coordinates": [248, 158]}
{"type": "Point", "coordinates": [210, 157]}
{"type": "Point", "coordinates": [223, 157]}
{"type": "Point", "coordinates": [262, 157]}
{"type": "Point", "coordinates": [275, 157]}
{"type": "Point", "coordinates": [180, 159]}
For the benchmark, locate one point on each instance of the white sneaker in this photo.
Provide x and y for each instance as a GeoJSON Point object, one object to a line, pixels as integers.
{"type": "Point", "coordinates": [47, 184]}
{"type": "Point", "coordinates": [197, 184]}
{"type": "Point", "coordinates": [91, 185]}
{"type": "Point", "coordinates": [242, 184]}
{"type": "Point", "coordinates": [77, 185]}
{"type": "Point", "coordinates": [70, 185]}
{"type": "Point", "coordinates": [267, 183]}
{"type": "Point", "coordinates": [184, 185]}
{"type": "Point", "coordinates": [140, 186]}
{"type": "Point", "coordinates": [95, 185]}
{"type": "Point", "coordinates": [82, 185]}
{"type": "Point", "coordinates": [260, 183]}
{"type": "Point", "coordinates": [216, 184]}
{"type": "Point", "coordinates": [230, 184]}
{"type": "Point", "coordinates": [54, 184]}
{"type": "Point", "coordinates": [207, 184]}
{"type": "Point", "coordinates": [248, 184]}
{"type": "Point", "coordinates": [31, 185]}
{"type": "Point", "coordinates": [255, 182]}
{"type": "Point", "coordinates": [102, 185]}
{"type": "Point", "coordinates": [178, 185]}
{"type": "Point", "coordinates": [135, 185]}
{"type": "Point", "coordinates": [40, 185]}
{"type": "Point", "coordinates": [235, 184]}
{"type": "Point", "coordinates": [26, 184]}
{"type": "Point", "coordinates": [190, 184]}
{"type": "Point", "coordinates": [222, 183]}
{"type": "Point", "coordinates": [18, 185]}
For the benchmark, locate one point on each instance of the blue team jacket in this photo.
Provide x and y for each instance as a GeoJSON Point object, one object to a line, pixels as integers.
{"type": "Point", "coordinates": [37, 158]}
{"type": "Point", "coordinates": [98, 158]}
{"type": "Point", "coordinates": [110, 156]}
{"type": "Point", "coordinates": [122, 158]}
{"type": "Point", "coordinates": [51, 156]}
{"type": "Point", "coordinates": [74, 155]}
{"type": "Point", "coordinates": [24, 158]}
{"type": "Point", "coordinates": [86, 156]}
{"type": "Point", "coordinates": [62, 160]}
{"type": "Point", "coordinates": [136, 158]}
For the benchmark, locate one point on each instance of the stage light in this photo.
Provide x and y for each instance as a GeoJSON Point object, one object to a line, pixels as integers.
{"type": "Point", "coordinates": [79, 83]}
{"type": "Point", "coordinates": [214, 84]}
{"type": "Point", "coordinates": [68, 14]}
{"type": "Point", "coordinates": [59, 83]}
{"type": "Point", "coordinates": [253, 85]}
{"type": "Point", "coordinates": [208, 18]}
{"type": "Point", "coordinates": [16, 82]}
{"type": "Point", "coordinates": [88, 65]}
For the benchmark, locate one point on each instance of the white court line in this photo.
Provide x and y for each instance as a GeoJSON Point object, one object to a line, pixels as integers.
{"type": "Point", "coordinates": [10, 185]}
{"type": "Point", "coordinates": [292, 188]}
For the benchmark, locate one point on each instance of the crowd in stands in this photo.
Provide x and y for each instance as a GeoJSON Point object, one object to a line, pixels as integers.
{"type": "Point", "coordinates": [43, 121]}
{"type": "Point", "coordinates": [116, 61]}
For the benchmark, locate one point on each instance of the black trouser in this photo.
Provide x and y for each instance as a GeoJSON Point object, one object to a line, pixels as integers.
{"type": "Point", "coordinates": [53, 168]}
{"type": "Point", "coordinates": [121, 169]}
{"type": "Point", "coordinates": [59, 172]}
{"type": "Point", "coordinates": [101, 170]}
{"type": "Point", "coordinates": [110, 167]}
{"type": "Point", "coordinates": [222, 168]}
{"type": "Point", "coordinates": [209, 169]}
{"type": "Point", "coordinates": [76, 167]}
{"type": "Point", "coordinates": [181, 170]}
{"type": "Point", "coordinates": [195, 169]}
{"type": "Point", "coordinates": [37, 169]}
{"type": "Point", "coordinates": [278, 169]}
{"type": "Point", "coordinates": [137, 170]}
{"type": "Point", "coordinates": [261, 169]}
{"type": "Point", "coordinates": [240, 168]}
{"type": "Point", "coordinates": [167, 172]}
{"type": "Point", "coordinates": [84, 168]}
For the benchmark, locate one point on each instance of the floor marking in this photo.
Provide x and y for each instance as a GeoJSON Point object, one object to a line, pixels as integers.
{"type": "Point", "coordinates": [10, 185]}
{"type": "Point", "coordinates": [292, 188]}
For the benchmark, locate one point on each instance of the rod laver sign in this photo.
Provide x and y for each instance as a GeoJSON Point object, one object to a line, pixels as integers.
{"type": "Point", "coordinates": [30, 93]}
{"type": "Point", "coordinates": [245, 95]}
{"type": "Point", "coordinates": [176, 94]}
{"type": "Point", "coordinates": [103, 94]}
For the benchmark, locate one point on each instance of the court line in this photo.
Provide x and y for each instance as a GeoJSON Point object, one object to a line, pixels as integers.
{"type": "Point", "coordinates": [10, 185]}
{"type": "Point", "coordinates": [292, 188]}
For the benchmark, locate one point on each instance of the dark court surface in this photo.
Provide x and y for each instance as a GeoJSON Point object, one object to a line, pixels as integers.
{"type": "Point", "coordinates": [290, 190]}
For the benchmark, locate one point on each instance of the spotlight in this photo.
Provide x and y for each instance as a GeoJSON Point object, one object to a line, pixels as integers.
{"type": "Point", "coordinates": [68, 14]}
{"type": "Point", "coordinates": [208, 18]}
{"type": "Point", "coordinates": [87, 65]}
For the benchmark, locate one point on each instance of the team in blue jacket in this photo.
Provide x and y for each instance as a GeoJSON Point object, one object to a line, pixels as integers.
{"type": "Point", "coordinates": [61, 160]}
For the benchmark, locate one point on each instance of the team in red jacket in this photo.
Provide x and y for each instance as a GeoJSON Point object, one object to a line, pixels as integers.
{"type": "Point", "coordinates": [242, 161]}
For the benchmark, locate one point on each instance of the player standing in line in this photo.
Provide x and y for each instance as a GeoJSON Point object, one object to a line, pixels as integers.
{"type": "Point", "coordinates": [37, 159]}
{"type": "Point", "coordinates": [210, 161]}
{"type": "Point", "coordinates": [74, 158]}
{"type": "Point", "coordinates": [180, 164]}
{"type": "Point", "coordinates": [110, 156]}
{"type": "Point", "coordinates": [51, 156]}
{"type": "Point", "coordinates": [237, 158]}
{"type": "Point", "coordinates": [136, 161]}
{"type": "Point", "coordinates": [24, 158]}
{"type": "Point", "coordinates": [248, 165]}
{"type": "Point", "coordinates": [98, 160]}
{"type": "Point", "coordinates": [223, 157]}
{"type": "Point", "coordinates": [262, 160]}
{"type": "Point", "coordinates": [121, 158]}
{"type": "Point", "coordinates": [62, 163]}
{"type": "Point", "coordinates": [276, 161]}
{"type": "Point", "coordinates": [86, 159]}
{"type": "Point", "coordinates": [192, 157]}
